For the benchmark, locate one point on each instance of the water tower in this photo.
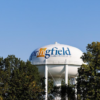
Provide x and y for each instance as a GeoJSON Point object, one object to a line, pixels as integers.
{"type": "Point", "coordinates": [59, 60]}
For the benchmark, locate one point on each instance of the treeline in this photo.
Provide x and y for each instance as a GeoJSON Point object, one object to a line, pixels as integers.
{"type": "Point", "coordinates": [19, 80]}
{"type": "Point", "coordinates": [88, 81]}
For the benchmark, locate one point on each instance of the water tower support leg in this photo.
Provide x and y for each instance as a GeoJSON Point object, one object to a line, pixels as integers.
{"type": "Point", "coordinates": [66, 74]}
{"type": "Point", "coordinates": [66, 77]}
{"type": "Point", "coordinates": [46, 82]}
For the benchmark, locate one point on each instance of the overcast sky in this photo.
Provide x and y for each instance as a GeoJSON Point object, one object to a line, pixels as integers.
{"type": "Point", "coordinates": [28, 24]}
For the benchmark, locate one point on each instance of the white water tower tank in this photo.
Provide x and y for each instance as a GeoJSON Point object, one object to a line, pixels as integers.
{"type": "Point", "coordinates": [56, 56]}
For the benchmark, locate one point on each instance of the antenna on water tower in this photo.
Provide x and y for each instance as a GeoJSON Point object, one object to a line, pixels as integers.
{"type": "Point", "coordinates": [56, 43]}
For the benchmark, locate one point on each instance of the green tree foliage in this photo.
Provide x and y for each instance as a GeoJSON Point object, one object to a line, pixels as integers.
{"type": "Point", "coordinates": [19, 80]}
{"type": "Point", "coordinates": [88, 81]}
{"type": "Point", "coordinates": [64, 91]}
{"type": "Point", "coordinates": [50, 85]}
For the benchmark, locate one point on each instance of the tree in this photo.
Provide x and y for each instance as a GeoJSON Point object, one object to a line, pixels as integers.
{"type": "Point", "coordinates": [88, 81]}
{"type": "Point", "coordinates": [64, 91]}
{"type": "Point", "coordinates": [19, 80]}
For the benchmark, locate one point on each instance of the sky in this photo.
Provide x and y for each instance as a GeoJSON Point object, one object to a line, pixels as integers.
{"type": "Point", "coordinates": [29, 24]}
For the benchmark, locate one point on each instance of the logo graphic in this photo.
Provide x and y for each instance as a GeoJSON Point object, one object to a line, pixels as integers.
{"type": "Point", "coordinates": [54, 52]}
{"type": "Point", "coordinates": [41, 52]}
